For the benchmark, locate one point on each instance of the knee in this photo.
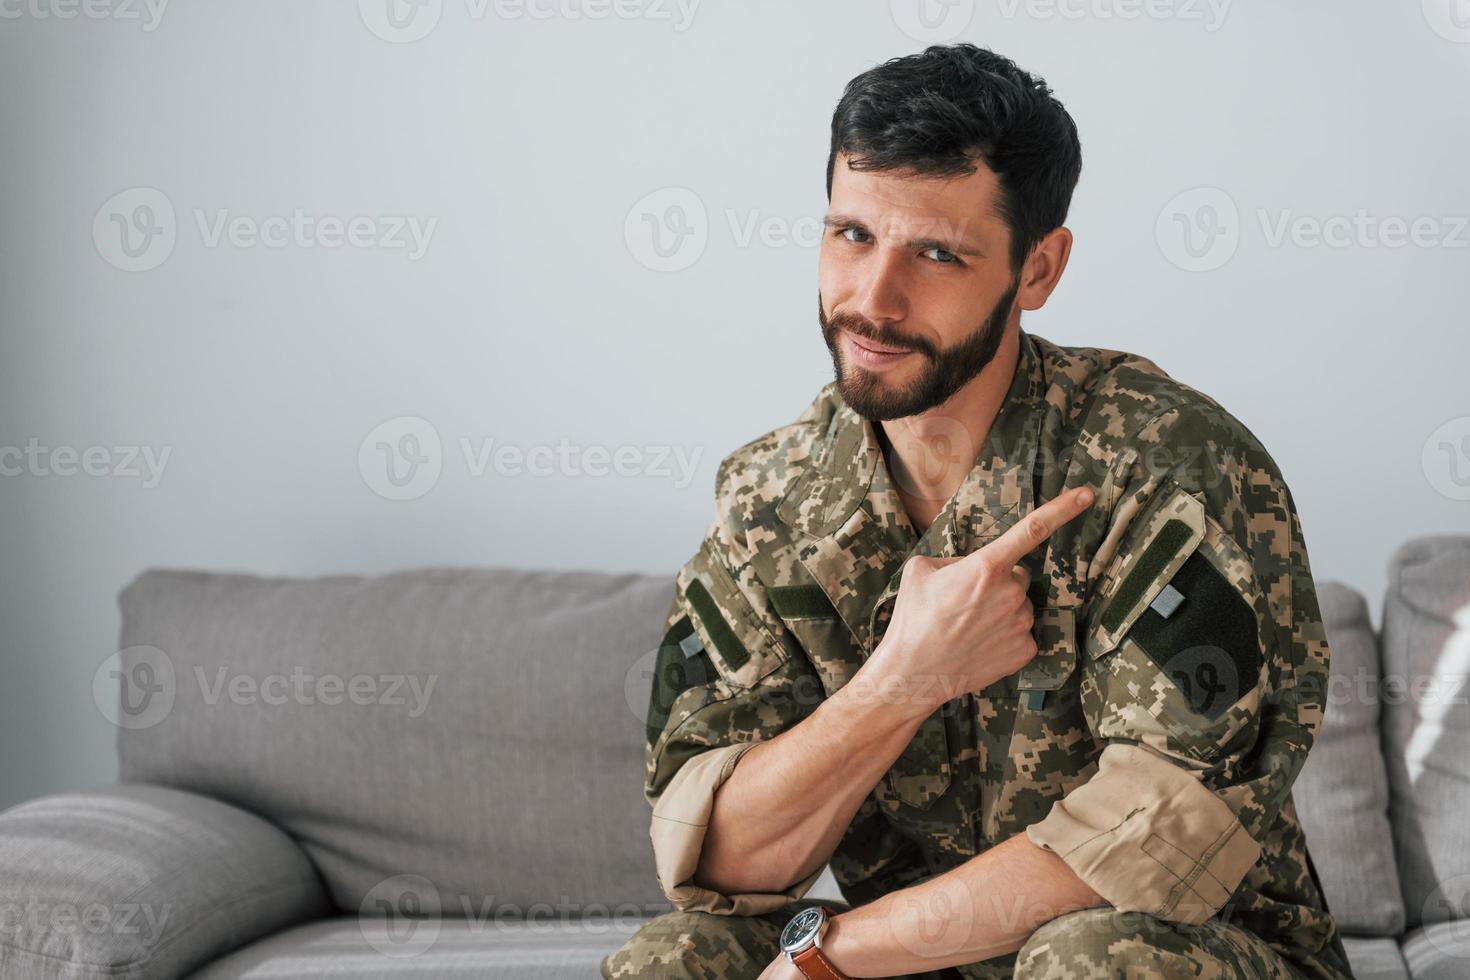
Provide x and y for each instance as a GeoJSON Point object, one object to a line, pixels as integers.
{"type": "Point", "coordinates": [1096, 944]}
{"type": "Point", "coordinates": [695, 946]}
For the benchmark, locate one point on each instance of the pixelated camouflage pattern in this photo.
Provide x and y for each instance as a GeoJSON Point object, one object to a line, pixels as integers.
{"type": "Point", "coordinates": [1103, 944]}
{"type": "Point", "coordinates": [703, 946]}
{"type": "Point", "coordinates": [1093, 944]}
{"type": "Point", "coordinates": [812, 503]}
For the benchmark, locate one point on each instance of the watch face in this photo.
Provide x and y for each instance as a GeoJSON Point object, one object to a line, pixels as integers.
{"type": "Point", "coordinates": [802, 930]}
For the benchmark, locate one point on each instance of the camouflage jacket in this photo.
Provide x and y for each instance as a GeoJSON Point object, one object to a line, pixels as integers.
{"type": "Point", "coordinates": [1153, 741]}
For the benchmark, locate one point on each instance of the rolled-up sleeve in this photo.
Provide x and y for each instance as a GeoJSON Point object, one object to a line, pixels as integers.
{"type": "Point", "coordinates": [1148, 836]}
{"type": "Point", "coordinates": [1206, 662]}
{"type": "Point", "coordinates": [727, 676]}
{"type": "Point", "coordinates": [680, 819]}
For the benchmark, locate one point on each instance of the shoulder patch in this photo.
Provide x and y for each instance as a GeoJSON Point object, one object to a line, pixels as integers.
{"type": "Point", "coordinates": [675, 671]}
{"type": "Point", "coordinates": [1208, 645]}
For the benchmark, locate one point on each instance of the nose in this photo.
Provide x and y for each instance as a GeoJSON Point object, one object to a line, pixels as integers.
{"type": "Point", "coordinates": [881, 296]}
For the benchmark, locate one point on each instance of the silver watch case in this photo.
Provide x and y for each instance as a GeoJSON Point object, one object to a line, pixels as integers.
{"type": "Point", "coordinates": [804, 930]}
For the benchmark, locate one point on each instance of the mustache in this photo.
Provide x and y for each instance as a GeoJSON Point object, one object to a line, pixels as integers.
{"type": "Point", "coordinates": [887, 336]}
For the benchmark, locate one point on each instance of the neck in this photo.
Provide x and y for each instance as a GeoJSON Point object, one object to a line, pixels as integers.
{"type": "Point", "coordinates": [929, 454]}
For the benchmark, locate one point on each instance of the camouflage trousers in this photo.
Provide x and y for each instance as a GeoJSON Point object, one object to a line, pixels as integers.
{"type": "Point", "coordinates": [1094, 944]}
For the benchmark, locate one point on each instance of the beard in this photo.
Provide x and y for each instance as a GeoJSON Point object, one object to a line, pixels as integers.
{"type": "Point", "coordinates": [946, 371]}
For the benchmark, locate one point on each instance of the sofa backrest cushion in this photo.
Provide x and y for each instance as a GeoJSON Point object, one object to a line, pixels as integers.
{"type": "Point", "coordinates": [1426, 649]}
{"type": "Point", "coordinates": [462, 741]}
{"type": "Point", "coordinates": [1342, 792]}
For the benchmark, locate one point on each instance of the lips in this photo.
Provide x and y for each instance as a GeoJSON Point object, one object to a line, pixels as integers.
{"type": "Point", "coordinates": [876, 347]}
{"type": "Point", "coordinates": [878, 357]}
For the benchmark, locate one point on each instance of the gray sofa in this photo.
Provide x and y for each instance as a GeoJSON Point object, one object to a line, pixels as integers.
{"type": "Point", "coordinates": [438, 773]}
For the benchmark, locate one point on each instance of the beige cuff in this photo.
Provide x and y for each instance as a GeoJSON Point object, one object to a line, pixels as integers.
{"type": "Point", "coordinates": [1149, 837]}
{"type": "Point", "coordinates": [680, 819]}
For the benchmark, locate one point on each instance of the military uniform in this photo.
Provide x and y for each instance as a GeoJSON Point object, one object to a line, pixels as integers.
{"type": "Point", "coordinates": [1152, 743]}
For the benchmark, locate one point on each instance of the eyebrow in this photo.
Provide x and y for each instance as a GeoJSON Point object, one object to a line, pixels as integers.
{"type": "Point", "coordinates": [839, 220]}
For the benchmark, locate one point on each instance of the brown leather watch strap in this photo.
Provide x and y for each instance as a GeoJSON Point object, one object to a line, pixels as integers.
{"type": "Point", "coordinates": [813, 963]}
{"type": "Point", "coordinates": [815, 966]}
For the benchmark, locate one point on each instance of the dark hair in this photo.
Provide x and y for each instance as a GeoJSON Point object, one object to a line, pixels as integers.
{"type": "Point", "coordinates": [935, 113]}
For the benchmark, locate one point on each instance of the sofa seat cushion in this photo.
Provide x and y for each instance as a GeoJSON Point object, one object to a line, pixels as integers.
{"type": "Point", "coordinates": [352, 948]}
{"type": "Point", "coordinates": [1375, 959]}
{"type": "Point", "coordinates": [141, 883]}
{"type": "Point", "coordinates": [1439, 952]}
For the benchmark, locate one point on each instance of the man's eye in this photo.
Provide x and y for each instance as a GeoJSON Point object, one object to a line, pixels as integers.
{"type": "Point", "coordinates": [951, 260]}
{"type": "Point", "coordinates": [845, 234]}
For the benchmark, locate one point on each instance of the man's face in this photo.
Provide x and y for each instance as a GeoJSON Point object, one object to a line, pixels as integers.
{"type": "Point", "coordinates": [915, 287]}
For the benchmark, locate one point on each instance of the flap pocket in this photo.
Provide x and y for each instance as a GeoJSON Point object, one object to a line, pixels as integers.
{"type": "Point", "coordinates": [1190, 875]}
{"type": "Point", "coordinates": [921, 773]}
{"type": "Point", "coordinates": [1055, 631]}
{"type": "Point", "coordinates": [1169, 535]}
{"type": "Point", "coordinates": [742, 645]}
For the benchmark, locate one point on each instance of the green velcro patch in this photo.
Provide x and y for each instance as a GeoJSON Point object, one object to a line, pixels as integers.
{"type": "Point", "coordinates": [1209, 647]}
{"type": "Point", "coordinates": [801, 602]}
{"type": "Point", "coordinates": [674, 672]}
{"type": "Point", "coordinates": [732, 651]}
{"type": "Point", "coordinates": [1164, 546]}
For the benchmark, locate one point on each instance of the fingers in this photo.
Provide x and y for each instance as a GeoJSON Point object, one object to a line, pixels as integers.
{"type": "Point", "coordinates": [1036, 527]}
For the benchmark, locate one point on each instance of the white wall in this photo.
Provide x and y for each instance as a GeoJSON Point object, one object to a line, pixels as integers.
{"type": "Point", "coordinates": [532, 143]}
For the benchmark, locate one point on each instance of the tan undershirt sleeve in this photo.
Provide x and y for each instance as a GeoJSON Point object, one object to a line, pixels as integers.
{"type": "Point", "coordinates": [680, 820]}
{"type": "Point", "coordinates": [1149, 837]}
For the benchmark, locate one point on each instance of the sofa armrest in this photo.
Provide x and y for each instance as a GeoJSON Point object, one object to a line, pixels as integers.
{"type": "Point", "coordinates": [136, 881]}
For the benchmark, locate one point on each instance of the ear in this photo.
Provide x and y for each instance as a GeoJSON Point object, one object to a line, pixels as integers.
{"type": "Point", "coordinates": [1043, 268]}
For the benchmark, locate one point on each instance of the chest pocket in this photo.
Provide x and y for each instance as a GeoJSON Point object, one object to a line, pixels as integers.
{"type": "Point", "coordinates": [1055, 632]}
{"type": "Point", "coordinates": [923, 771]}
{"type": "Point", "coordinates": [810, 616]}
{"type": "Point", "coordinates": [1037, 741]}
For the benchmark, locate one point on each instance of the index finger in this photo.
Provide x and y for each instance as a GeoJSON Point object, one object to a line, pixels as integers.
{"type": "Point", "coordinates": [1036, 527]}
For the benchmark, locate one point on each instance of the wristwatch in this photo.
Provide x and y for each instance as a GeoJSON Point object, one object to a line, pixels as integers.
{"type": "Point", "coordinates": [802, 941]}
